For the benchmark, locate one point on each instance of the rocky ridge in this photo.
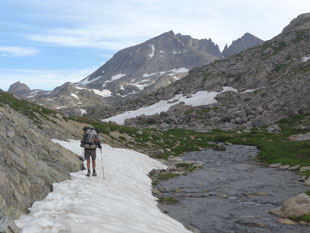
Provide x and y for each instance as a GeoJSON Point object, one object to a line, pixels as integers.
{"type": "Point", "coordinates": [271, 80]}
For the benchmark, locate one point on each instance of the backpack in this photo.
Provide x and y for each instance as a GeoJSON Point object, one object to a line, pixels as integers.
{"type": "Point", "coordinates": [91, 139]}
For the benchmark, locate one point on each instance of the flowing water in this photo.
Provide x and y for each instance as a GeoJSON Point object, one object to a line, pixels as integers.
{"type": "Point", "coordinates": [232, 193]}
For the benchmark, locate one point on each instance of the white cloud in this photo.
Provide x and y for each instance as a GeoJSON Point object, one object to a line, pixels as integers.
{"type": "Point", "coordinates": [13, 51]}
{"type": "Point", "coordinates": [117, 24]}
{"type": "Point", "coordinates": [41, 79]}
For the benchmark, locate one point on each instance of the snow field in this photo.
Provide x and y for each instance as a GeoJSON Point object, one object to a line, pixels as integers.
{"type": "Point", "coordinates": [122, 202]}
{"type": "Point", "coordinates": [197, 99]}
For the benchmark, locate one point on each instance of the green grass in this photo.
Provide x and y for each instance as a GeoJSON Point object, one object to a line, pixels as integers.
{"type": "Point", "coordinates": [32, 111]}
{"type": "Point", "coordinates": [307, 192]}
{"type": "Point", "coordinates": [168, 200]}
{"type": "Point", "coordinates": [186, 166]}
{"type": "Point", "coordinates": [167, 176]}
{"type": "Point", "coordinates": [305, 218]}
{"type": "Point", "coordinates": [273, 148]}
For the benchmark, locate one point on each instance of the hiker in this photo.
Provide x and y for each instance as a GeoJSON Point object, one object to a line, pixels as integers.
{"type": "Point", "coordinates": [90, 142]}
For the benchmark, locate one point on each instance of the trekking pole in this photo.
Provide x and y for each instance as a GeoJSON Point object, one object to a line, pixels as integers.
{"type": "Point", "coordinates": [102, 163]}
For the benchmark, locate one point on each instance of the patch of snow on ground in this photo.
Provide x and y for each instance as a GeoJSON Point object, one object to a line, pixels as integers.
{"type": "Point", "coordinates": [83, 111]}
{"type": "Point", "coordinates": [122, 202]}
{"type": "Point", "coordinates": [153, 51]}
{"type": "Point", "coordinates": [197, 99]}
{"type": "Point", "coordinates": [75, 96]}
{"type": "Point", "coordinates": [103, 93]}
{"type": "Point", "coordinates": [305, 59]}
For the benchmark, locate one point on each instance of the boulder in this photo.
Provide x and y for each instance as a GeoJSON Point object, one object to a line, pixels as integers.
{"type": "Point", "coordinates": [295, 207]}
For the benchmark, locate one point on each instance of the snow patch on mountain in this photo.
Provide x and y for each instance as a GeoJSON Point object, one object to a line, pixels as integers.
{"type": "Point", "coordinates": [115, 77]}
{"type": "Point", "coordinates": [122, 202]}
{"type": "Point", "coordinates": [87, 81]}
{"type": "Point", "coordinates": [305, 59]}
{"type": "Point", "coordinates": [153, 51]}
{"type": "Point", "coordinates": [75, 96]}
{"type": "Point", "coordinates": [142, 84]}
{"type": "Point", "coordinates": [103, 93]}
{"type": "Point", "coordinates": [197, 99]}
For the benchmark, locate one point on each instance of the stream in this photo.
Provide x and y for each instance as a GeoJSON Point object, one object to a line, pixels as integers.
{"type": "Point", "coordinates": [232, 193]}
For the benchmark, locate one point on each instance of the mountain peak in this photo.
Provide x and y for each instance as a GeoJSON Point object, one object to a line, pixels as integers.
{"type": "Point", "coordinates": [246, 41]}
{"type": "Point", "coordinates": [19, 89]}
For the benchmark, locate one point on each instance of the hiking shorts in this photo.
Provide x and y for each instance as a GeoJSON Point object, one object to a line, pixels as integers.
{"type": "Point", "coordinates": [90, 153]}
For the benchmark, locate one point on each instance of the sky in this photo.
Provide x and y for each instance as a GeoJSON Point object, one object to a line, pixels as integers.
{"type": "Point", "coordinates": [45, 43]}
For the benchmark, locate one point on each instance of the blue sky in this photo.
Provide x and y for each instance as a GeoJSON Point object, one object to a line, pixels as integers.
{"type": "Point", "coordinates": [45, 43]}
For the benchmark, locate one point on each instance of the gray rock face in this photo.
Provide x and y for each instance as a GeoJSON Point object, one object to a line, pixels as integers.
{"type": "Point", "coordinates": [139, 68]}
{"type": "Point", "coordinates": [271, 80]}
{"type": "Point", "coordinates": [29, 163]}
{"type": "Point", "coordinates": [245, 42]}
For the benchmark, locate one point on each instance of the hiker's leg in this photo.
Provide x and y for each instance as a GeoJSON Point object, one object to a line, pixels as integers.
{"type": "Point", "coordinates": [88, 164]}
{"type": "Point", "coordinates": [94, 165]}
{"type": "Point", "coordinates": [93, 157]}
{"type": "Point", "coordinates": [87, 157]}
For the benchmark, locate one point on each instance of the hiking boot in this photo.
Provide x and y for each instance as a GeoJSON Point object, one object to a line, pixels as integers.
{"type": "Point", "coordinates": [88, 173]}
{"type": "Point", "coordinates": [94, 173]}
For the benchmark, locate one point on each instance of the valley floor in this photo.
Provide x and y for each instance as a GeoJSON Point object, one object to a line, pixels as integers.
{"type": "Point", "coordinates": [121, 202]}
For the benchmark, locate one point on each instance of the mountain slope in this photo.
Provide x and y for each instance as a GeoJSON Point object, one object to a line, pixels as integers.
{"type": "Point", "coordinates": [152, 64]}
{"type": "Point", "coordinates": [277, 73]}
{"type": "Point", "coordinates": [29, 161]}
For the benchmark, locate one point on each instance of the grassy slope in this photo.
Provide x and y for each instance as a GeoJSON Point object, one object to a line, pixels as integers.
{"type": "Point", "coordinates": [274, 147]}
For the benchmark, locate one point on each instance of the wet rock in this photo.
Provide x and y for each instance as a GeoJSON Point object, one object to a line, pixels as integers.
{"type": "Point", "coordinates": [275, 165]}
{"type": "Point", "coordinates": [192, 229]}
{"type": "Point", "coordinates": [259, 194]}
{"type": "Point", "coordinates": [219, 147]}
{"type": "Point", "coordinates": [250, 224]}
{"type": "Point", "coordinates": [221, 195]}
{"type": "Point", "coordinates": [175, 159]}
{"type": "Point", "coordinates": [286, 221]}
{"type": "Point", "coordinates": [294, 168]}
{"type": "Point", "coordinates": [294, 207]}
{"type": "Point", "coordinates": [303, 223]}
{"type": "Point", "coordinates": [284, 167]}
{"type": "Point", "coordinates": [197, 195]}
{"type": "Point", "coordinates": [307, 181]}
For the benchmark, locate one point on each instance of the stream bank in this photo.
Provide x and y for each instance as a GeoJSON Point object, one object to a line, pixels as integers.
{"type": "Point", "coordinates": [232, 193]}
